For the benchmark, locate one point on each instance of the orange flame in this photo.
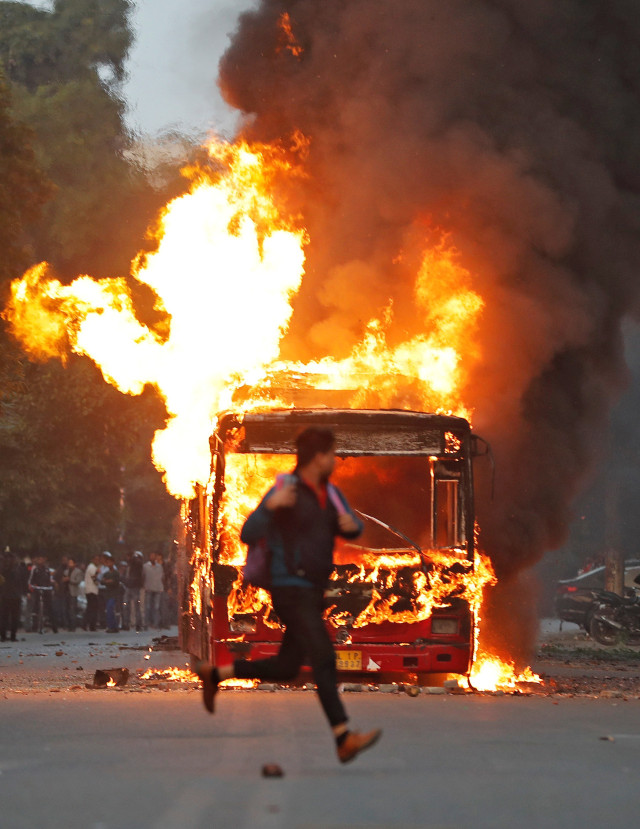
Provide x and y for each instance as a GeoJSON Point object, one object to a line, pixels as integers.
{"type": "Point", "coordinates": [174, 674]}
{"type": "Point", "coordinates": [224, 271]}
{"type": "Point", "coordinates": [492, 674]}
{"type": "Point", "coordinates": [288, 38]}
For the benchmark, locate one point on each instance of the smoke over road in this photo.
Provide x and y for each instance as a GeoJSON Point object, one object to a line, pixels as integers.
{"type": "Point", "coordinates": [511, 127]}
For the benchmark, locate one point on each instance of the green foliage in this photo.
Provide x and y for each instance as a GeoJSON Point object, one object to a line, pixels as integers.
{"type": "Point", "coordinates": [23, 188]}
{"type": "Point", "coordinates": [70, 447]}
{"type": "Point", "coordinates": [65, 67]}
{"type": "Point", "coordinates": [79, 37]}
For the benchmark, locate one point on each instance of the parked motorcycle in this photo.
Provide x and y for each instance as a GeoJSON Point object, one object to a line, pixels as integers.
{"type": "Point", "coordinates": [616, 618]}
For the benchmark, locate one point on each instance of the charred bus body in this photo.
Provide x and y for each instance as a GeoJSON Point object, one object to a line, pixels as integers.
{"type": "Point", "coordinates": [400, 599]}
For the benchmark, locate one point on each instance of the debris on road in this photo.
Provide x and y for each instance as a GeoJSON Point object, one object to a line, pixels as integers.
{"type": "Point", "coordinates": [166, 643]}
{"type": "Point", "coordinates": [111, 678]}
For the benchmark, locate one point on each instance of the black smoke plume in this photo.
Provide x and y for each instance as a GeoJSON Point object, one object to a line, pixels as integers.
{"type": "Point", "coordinates": [514, 127]}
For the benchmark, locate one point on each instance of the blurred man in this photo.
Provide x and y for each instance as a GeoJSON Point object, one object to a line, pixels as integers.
{"type": "Point", "coordinates": [71, 579]}
{"type": "Point", "coordinates": [91, 592]}
{"type": "Point", "coordinates": [110, 580]}
{"type": "Point", "coordinates": [300, 521]}
{"type": "Point", "coordinates": [41, 585]}
{"type": "Point", "coordinates": [10, 596]}
{"type": "Point", "coordinates": [132, 594]}
{"type": "Point", "coordinates": [61, 593]}
{"type": "Point", "coordinates": [153, 577]}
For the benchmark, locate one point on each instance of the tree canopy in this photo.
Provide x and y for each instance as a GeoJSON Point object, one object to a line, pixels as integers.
{"type": "Point", "coordinates": [65, 67]}
{"type": "Point", "coordinates": [75, 469]}
{"type": "Point", "coordinates": [23, 187]}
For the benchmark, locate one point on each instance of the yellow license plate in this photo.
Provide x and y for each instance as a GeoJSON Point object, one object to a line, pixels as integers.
{"type": "Point", "coordinates": [349, 660]}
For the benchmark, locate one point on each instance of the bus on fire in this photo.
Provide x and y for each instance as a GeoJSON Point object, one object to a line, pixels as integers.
{"type": "Point", "coordinates": [402, 599]}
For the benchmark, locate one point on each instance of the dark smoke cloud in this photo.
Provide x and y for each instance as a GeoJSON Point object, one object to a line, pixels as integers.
{"type": "Point", "coordinates": [513, 125]}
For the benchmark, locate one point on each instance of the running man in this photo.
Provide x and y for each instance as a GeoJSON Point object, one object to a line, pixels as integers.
{"type": "Point", "coordinates": [300, 521]}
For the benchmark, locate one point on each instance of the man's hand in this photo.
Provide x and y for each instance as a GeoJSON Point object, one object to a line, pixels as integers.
{"type": "Point", "coordinates": [283, 497]}
{"type": "Point", "coordinates": [347, 523]}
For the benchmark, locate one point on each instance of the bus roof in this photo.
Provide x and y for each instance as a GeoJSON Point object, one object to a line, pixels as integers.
{"type": "Point", "coordinates": [357, 431]}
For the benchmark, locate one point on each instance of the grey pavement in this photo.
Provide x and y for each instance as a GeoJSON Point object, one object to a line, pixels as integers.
{"type": "Point", "coordinates": [148, 759]}
{"type": "Point", "coordinates": [66, 658]}
{"type": "Point", "coordinates": [123, 761]}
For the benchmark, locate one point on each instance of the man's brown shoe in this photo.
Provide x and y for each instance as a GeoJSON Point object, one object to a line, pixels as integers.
{"type": "Point", "coordinates": [354, 743]}
{"type": "Point", "coordinates": [209, 687]}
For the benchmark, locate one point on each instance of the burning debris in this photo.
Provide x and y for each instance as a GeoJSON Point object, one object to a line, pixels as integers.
{"type": "Point", "coordinates": [111, 678]}
{"type": "Point", "coordinates": [171, 674]}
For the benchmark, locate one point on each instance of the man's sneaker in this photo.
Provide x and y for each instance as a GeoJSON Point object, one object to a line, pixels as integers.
{"type": "Point", "coordinates": [354, 743]}
{"type": "Point", "coordinates": [209, 687]}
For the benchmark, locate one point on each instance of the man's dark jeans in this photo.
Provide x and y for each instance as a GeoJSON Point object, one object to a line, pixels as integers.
{"type": "Point", "coordinates": [305, 638]}
{"type": "Point", "coordinates": [92, 611]}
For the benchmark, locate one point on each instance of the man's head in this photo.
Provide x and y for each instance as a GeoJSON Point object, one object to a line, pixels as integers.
{"type": "Point", "coordinates": [316, 447]}
{"type": "Point", "coordinates": [107, 558]}
{"type": "Point", "coordinates": [70, 563]}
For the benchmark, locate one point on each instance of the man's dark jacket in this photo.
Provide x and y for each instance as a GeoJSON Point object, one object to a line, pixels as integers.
{"type": "Point", "coordinates": [134, 579]}
{"type": "Point", "coordinates": [300, 538]}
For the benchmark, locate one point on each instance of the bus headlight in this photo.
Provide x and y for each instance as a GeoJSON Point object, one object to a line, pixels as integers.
{"type": "Point", "coordinates": [445, 626]}
{"type": "Point", "coordinates": [243, 624]}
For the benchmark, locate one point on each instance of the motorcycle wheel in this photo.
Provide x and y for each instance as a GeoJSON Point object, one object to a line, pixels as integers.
{"type": "Point", "coordinates": [603, 633]}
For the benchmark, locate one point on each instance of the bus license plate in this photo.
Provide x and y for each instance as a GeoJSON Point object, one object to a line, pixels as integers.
{"type": "Point", "coordinates": [349, 660]}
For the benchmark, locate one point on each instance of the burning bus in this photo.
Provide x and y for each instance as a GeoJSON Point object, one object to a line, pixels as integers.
{"type": "Point", "coordinates": [403, 599]}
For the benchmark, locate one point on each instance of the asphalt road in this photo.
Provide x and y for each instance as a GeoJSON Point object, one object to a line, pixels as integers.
{"type": "Point", "coordinates": [112, 760]}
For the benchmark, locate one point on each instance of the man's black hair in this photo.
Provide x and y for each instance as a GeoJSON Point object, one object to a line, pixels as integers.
{"type": "Point", "coordinates": [311, 441]}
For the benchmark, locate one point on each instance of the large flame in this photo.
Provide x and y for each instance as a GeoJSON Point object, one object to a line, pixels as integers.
{"type": "Point", "coordinates": [226, 266]}
{"type": "Point", "coordinates": [224, 271]}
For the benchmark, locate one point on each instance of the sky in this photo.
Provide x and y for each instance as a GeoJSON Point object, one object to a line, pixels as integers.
{"type": "Point", "coordinates": [174, 62]}
{"type": "Point", "coordinates": [173, 65]}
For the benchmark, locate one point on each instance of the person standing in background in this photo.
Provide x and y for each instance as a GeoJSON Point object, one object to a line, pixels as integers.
{"type": "Point", "coordinates": [132, 594]}
{"type": "Point", "coordinates": [91, 592]}
{"type": "Point", "coordinates": [61, 593]}
{"type": "Point", "coordinates": [110, 580]}
{"type": "Point", "coordinates": [10, 596]}
{"type": "Point", "coordinates": [41, 585]}
{"type": "Point", "coordinates": [153, 580]}
{"type": "Point", "coordinates": [72, 577]}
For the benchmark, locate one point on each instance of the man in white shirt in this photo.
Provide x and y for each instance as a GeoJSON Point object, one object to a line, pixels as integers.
{"type": "Point", "coordinates": [91, 592]}
{"type": "Point", "coordinates": [153, 580]}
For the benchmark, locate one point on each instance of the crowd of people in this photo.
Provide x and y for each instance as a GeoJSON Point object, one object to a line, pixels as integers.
{"type": "Point", "coordinates": [132, 594]}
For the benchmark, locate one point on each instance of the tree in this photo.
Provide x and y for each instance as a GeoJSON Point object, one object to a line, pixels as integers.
{"type": "Point", "coordinates": [23, 188]}
{"type": "Point", "coordinates": [65, 67]}
{"type": "Point", "coordinates": [75, 469]}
